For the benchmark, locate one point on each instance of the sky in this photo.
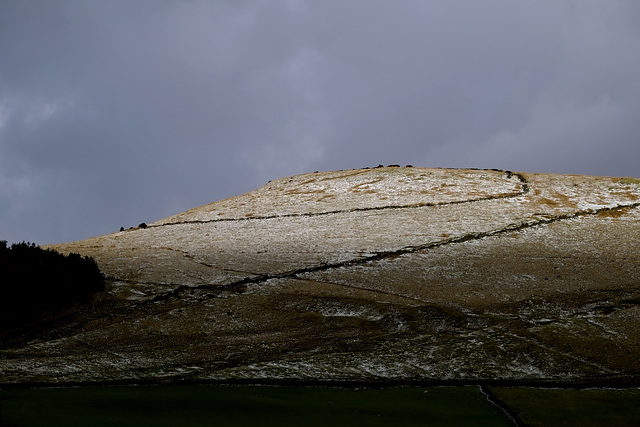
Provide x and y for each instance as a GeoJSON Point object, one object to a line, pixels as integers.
{"type": "Point", "coordinates": [118, 112]}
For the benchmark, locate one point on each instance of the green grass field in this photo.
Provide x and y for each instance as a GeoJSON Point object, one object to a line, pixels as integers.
{"type": "Point", "coordinates": [569, 407]}
{"type": "Point", "coordinates": [263, 406]}
{"type": "Point", "coordinates": [248, 406]}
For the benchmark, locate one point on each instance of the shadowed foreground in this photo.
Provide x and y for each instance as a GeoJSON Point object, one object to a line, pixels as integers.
{"type": "Point", "coordinates": [294, 406]}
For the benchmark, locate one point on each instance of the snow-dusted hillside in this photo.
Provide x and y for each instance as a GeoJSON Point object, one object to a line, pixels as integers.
{"type": "Point", "coordinates": [371, 274]}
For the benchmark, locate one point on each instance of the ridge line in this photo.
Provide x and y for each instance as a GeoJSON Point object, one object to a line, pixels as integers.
{"type": "Point", "coordinates": [523, 185]}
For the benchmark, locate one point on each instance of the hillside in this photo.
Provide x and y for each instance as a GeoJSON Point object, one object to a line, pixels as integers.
{"type": "Point", "coordinates": [365, 275]}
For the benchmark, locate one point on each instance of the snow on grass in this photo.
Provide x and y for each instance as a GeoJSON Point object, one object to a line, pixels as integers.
{"type": "Point", "coordinates": [355, 189]}
{"type": "Point", "coordinates": [456, 240]}
{"type": "Point", "coordinates": [291, 235]}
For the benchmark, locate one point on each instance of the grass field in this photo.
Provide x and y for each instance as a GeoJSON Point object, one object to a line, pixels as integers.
{"type": "Point", "coordinates": [316, 406]}
{"type": "Point", "coordinates": [569, 407]}
{"type": "Point", "coordinates": [248, 406]}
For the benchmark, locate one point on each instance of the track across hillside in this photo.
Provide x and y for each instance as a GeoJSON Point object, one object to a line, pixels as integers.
{"type": "Point", "coordinates": [240, 285]}
{"type": "Point", "coordinates": [393, 275]}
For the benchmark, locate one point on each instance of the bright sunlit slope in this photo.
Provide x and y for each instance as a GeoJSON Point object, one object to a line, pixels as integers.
{"type": "Point", "coordinates": [371, 274]}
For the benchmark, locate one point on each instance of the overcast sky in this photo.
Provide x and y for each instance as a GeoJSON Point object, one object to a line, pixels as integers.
{"type": "Point", "coordinates": [114, 112]}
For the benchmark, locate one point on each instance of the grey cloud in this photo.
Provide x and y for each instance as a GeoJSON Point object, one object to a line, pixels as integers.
{"type": "Point", "coordinates": [114, 113]}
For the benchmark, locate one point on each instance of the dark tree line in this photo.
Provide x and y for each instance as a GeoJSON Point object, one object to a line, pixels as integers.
{"type": "Point", "coordinates": [36, 283]}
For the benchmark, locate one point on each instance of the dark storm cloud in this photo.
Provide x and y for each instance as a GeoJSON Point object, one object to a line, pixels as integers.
{"type": "Point", "coordinates": [113, 113]}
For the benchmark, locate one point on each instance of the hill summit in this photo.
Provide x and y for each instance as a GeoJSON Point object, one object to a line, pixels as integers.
{"type": "Point", "coordinates": [384, 274]}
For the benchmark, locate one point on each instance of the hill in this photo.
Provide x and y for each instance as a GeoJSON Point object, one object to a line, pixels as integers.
{"type": "Point", "coordinates": [384, 274]}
